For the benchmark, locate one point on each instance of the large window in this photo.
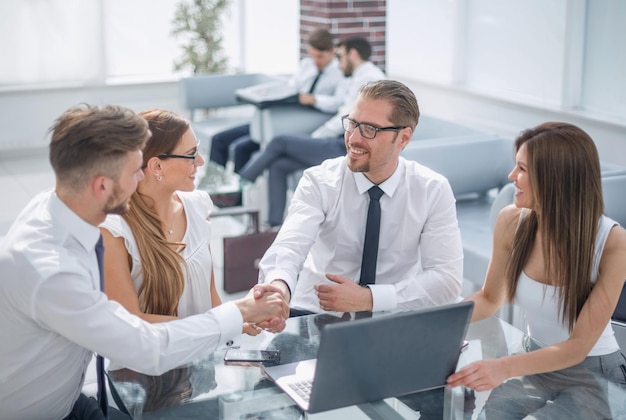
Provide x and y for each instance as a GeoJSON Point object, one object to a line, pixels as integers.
{"type": "Point", "coordinates": [604, 87]}
{"type": "Point", "coordinates": [137, 40]}
{"type": "Point", "coordinates": [516, 48]}
{"type": "Point", "coordinates": [95, 42]}
{"type": "Point", "coordinates": [557, 54]}
{"type": "Point", "coordinates": [49, 41]}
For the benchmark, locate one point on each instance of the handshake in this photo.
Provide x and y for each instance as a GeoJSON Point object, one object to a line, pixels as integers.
{"type": "Point", "coordinates": [265, 307]}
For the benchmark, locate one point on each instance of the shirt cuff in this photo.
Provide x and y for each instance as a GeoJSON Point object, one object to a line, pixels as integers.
{"type": "Point", "coordinates": [280, 275]}
{"type": "Point", "coordinates": [230, 320]}
{"type": "Point", "coordinates": [383, 297]}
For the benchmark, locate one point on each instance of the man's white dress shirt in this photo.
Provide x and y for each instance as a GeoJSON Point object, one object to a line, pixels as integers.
{"type": "Point", "coordinates": [420, 257]}
{"type": "Point", "coordinates": [346, 93]}
{"type": "Point", "coordinates": [53, 315]}
{"type": "Point", "coordinates": [325, 87]}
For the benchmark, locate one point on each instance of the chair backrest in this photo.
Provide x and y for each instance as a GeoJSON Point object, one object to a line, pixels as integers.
{"type": "Point", "coordinates": [613, 192]}
{"type": "Point", "coordinates": [620, 309]}
{"type": "Point", "coordinates": [618, 320]}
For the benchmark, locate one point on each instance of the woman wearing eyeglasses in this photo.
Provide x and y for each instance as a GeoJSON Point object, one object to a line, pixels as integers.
{"type": "Point", "coordinates": [157, 262]}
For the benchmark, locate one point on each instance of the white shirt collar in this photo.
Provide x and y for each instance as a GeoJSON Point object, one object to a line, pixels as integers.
{"type": "Point", "coordinates": [86, 234]}
{"type": "Point", "coordinates": [389, 186]}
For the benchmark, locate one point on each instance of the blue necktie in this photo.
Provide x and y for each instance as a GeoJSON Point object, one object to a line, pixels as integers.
{"type": "Point", "coordinates": [372, 231]}
{"type": "Point", "coordinates": [102, 388]}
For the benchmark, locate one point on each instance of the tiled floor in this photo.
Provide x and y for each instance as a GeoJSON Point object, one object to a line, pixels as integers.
{"type": "Point", "coordinates": [25, 173]}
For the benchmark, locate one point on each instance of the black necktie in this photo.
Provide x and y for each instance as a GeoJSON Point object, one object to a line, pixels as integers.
{"type": "Point", "coordinates": [317, 78]}
{"type": "Point", "coordinates": [372, 231]}
{"type": "Point", "coordinates": [102, 388]}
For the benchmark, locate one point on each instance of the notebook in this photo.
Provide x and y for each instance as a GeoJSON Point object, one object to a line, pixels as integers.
{"type": "Point", "coordinates": [374, 358]}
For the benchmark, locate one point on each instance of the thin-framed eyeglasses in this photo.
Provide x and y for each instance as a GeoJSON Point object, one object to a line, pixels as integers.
{"type": "Point", "coordinates": [367, 131]}
{"type": "Point", "coordinates": [171, 155]}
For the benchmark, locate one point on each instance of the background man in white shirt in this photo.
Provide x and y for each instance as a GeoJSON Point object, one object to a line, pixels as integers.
{"type": "Point", "coordinates": [52, 312]}
{"type": "Point", "coordinates": [317, 255]}
{"type": "Point", "coordinates": [285, 154]}
{"type": "Point", "coordinates": [316, 79]}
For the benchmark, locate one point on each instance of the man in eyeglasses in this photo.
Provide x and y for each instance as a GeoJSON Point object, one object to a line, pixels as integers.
{"type": "Point", "coordinates": [286, 154]}
{"type": "Point", "coordinates": [329, 257]}
{"type": "Point", "coordinates": [53, 314]}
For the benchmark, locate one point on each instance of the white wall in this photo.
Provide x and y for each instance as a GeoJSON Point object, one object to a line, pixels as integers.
{"type": "Point", "coordinates": [503, 65]}
{"type": "Point", "coordinates": [508, 118]}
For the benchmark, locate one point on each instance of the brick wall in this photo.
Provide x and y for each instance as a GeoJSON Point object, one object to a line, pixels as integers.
{"type": "Point", "coordinates": [345, 18]}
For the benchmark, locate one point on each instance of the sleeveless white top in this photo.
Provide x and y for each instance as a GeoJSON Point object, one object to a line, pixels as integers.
{"type": "Point", "coordinates": [196, 297]}
{"type": "Point", "coordinates": [541, 305]}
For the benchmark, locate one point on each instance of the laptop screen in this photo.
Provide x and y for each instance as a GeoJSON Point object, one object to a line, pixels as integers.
{"type": "Point", "coordinates": [387, 355]}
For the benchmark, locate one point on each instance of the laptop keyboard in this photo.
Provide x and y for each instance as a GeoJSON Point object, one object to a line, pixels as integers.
{"type": "Point", "coordinates": [302, 388]}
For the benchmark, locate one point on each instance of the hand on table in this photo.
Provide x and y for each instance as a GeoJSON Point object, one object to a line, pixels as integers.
{"type": "Point", "coordinates": [482, 375]}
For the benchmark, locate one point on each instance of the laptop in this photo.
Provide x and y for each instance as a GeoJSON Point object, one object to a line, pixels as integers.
{"type": "Point", "coordinates": [270, 93]}
{"type": "Point", "coordinates": [387, 355]}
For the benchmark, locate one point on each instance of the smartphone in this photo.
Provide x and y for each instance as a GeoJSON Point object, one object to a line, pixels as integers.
{"type": "Point", "coordinates": [258, 356]}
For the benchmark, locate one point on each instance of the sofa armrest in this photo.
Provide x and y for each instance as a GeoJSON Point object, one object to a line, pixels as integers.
{"type": "Point", "coordinates": [614, 193]}
{"type": "Point", "coordinates": [505, 196]}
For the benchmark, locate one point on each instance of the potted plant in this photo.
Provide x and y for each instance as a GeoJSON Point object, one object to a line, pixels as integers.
{"type": "Point", "coordinates": [198, 22]}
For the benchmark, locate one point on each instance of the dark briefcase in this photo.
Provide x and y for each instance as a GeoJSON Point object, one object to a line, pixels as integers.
{"type": "Point", "coordinates": [243, 253]}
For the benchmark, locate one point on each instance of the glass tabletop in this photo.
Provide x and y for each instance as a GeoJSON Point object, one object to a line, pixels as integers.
{"type": "Point", "coordinates": [211, 389]}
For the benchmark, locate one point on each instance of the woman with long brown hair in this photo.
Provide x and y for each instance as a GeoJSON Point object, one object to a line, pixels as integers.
{"type": "Point", "coordinates": [557, 257]}
{"type": "Point", "coordinates": [157, 261]}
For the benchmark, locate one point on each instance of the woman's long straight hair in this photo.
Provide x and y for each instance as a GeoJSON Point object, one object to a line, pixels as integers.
{"type": "Point", "coordinates": [564, 173]}
{"type": "Point", "coordinates": [163, 268]}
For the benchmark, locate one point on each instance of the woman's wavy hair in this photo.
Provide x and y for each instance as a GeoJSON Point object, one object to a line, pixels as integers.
{"type": "Point", "coordinates": [163, 267]}
{"type": "Point", "coordinates": [564, 174]}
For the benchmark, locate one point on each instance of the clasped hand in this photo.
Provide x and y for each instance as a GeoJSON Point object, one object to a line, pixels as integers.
{"type": "Point", "coordinates": [272, 296]}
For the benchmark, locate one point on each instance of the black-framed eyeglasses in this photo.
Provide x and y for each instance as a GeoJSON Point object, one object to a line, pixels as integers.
{"type": "Point", "coordinates": [367, 131]}
{"type": "Point", "coordinates": [171, 155]}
